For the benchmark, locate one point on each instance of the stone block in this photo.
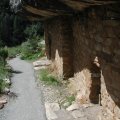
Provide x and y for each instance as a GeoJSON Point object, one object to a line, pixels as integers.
{"type": "Point", "coordinates": [77, 114]}
{"type": "Point", "coordinates": [50, 110]}
{"type": "Point", "coordinates": [74, 106]}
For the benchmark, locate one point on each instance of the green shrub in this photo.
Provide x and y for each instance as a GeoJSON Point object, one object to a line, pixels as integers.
{"type": "Point", "coordinates": [34, 30]}
{"type": "Point", "coordinates": [2, 85]}
{"type": "Point", "coordinates": [32, 50]}
{"type": "Point", "coordinates": [70, 99]}
{"type": "Point", "coordinates": [3, 55]}
{"type": "Point", "coordinates": [4, 73]}
{"type": "Point", "coordinates": [67, 101]}
{"type": "Point", "coordinates": [48, 78]}
{"type": "Point", "coordinates": [13, 51]}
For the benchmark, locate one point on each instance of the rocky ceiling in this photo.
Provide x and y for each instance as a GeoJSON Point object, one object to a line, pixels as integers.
{"type": "Point", "coordinates": [43, 9]}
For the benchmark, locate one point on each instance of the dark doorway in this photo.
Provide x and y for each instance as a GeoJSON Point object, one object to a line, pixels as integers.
{"type": "Point", "coordinates": [95, 90]}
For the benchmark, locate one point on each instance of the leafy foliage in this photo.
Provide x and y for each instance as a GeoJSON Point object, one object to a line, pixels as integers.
{"type": "Point", "coordinates": [13, 51]}
{"type": "Point", "coordinates": [3, 55]}
{"type": "Point", "coordinates": [33, 49]}
{"type": "Point", "coordinates": [48, 78]}
{"type": "Point", "coordinates": [34, 30]}
{"type": "Point", "coordinates": [70, 99]}
{"type": "Point", "coordinates": [11, 26]}
{"type": "Point", "coordinates": [3, 70]}
{"type": "Point", "coordinates": [12, 33]}
{"type": "Point", "coordinates": [4, 73]}
{"type": "Point", "coordinates": [2, 85]}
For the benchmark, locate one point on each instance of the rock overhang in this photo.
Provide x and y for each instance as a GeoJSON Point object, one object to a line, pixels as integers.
{"type": "Point", "coordinates": [45, 9]}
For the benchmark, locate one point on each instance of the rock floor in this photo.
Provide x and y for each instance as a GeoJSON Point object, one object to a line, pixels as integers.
{"type": "Point", "coordinates": [54, 95]}
{"type": "Point", "coordinates": [76, 112]}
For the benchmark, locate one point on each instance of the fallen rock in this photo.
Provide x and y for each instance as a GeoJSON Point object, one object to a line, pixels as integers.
{"type": "Point", "coordinates": [7, 80]}
{"type": "Point", "coordinates": [77, 114]}
{"type": "Point", "coordinates": [74, 106]}
{"type": "Point", "coordinates": [6, 90]}
{"type": "Point", "coordinates": [54, 106]}
{"type": "Point", "coordinates": [99, 117]}
{"type": "Point", "coordinates": [67, 104]}
{"type": "Point", "coordinates": [40, 67]}
{"type": "Point", "coordinates": [41, 63]}
{"type": "Point", "coordinates": [50, 110]}
{"type": "Point", "coordinates": [3, 102]}
{"type": "Point", "coordinates": [87, 105]}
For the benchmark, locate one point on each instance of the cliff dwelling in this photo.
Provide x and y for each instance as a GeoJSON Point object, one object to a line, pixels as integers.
{"type": "Point", "coordinates": [83, 41]}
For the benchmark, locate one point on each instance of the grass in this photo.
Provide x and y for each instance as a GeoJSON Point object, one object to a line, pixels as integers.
{"type": "Point", "coordinates": [30, 51]}
{"type": "Point", "coordinates": [4, 73]}
{"type": "Point", "coordinates": [13, 51]}
{"type": "Point", "coordinates": [70, 99]}
{"type": "Point", "coordinates": [3, 85]}
{"type": "Point", "coordinates": [48, 78]}
{"type": "Point", "coordinates": [31, 56]}
{"type": "Point", "coordinates": [25, 54]}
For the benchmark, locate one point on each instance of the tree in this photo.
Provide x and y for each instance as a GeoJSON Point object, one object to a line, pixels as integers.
{"type": "Point", "coordinates": [11, 26]}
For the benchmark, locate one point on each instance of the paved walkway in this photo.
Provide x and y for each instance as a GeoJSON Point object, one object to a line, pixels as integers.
{"type": "Point", "coordinates": [26, 102]}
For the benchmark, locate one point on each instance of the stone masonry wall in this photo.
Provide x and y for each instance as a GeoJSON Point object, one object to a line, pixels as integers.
{"type": "Point", "coordinates": [97, 60]}
{"type": "Point", "coordinates": [58, 37]}
{"type": "Point", "coordinates": [53, 42]}
{"type": "Point", "coordinates": [88, 45]}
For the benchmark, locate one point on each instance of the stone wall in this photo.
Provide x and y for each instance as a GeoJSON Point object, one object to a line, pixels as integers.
{"type": "Point", "coordinates": [97, 60]}
{"type": "Point", "coordinates": [53, 42]}
{"type": "Point", "coordinates": [58, 37]}
{"type": "Point", "coordinates": [88, 45]}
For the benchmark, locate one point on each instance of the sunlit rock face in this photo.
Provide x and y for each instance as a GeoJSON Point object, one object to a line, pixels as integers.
{"type": "Point", "coordinates": [15, 5]}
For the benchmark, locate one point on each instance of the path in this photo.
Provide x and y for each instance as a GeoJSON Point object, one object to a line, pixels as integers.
{"type": "Point", "coordinates": [27, 103]}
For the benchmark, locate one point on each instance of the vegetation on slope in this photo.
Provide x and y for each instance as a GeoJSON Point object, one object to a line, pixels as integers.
{"type": "Point", "coordinates": [4, 71]}
{"type": "Point", "coordinates": [48, 78]}
{"type": "Point", "coordinates": [17, 37]}
{"type": "Point", "coordinates": [33, 48]}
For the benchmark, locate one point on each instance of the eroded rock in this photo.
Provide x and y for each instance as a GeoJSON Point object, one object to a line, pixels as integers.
{"type": "Point", "coordinates": [77, 114]}
{"type": "Point", "coordinates": [74, 106]}
{"type": "Point", "coordinates": [50, 110]}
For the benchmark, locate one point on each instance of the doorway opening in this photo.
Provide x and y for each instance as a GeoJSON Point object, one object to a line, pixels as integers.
{"type": "Point", "coordinates": [95, 90]}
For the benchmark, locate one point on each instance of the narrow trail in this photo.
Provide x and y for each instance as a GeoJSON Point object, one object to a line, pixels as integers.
{"type": "Point", "coordinates": [26, 103]}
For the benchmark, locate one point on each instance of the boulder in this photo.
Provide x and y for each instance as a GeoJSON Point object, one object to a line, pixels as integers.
{"type": "Point", "coordinates": [6, 90]}
{"type": "Point", "coordinates": [77, 114]}
{"type": "Point", "coordinates": [7, 80]}
{"type": "Point", "coordinates": [74, 106]}
{"type": "Point", "coordinates": [50, 110]}
{"type": "Point", "coordinates": [3, 102]}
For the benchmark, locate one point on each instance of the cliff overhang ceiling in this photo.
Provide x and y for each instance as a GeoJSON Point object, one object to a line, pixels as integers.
{"type": "Point", "coordinates": [44, 9]}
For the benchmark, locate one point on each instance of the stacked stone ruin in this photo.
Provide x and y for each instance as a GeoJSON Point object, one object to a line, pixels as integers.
{"type": "Point", "coordinates": [83, 41]}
